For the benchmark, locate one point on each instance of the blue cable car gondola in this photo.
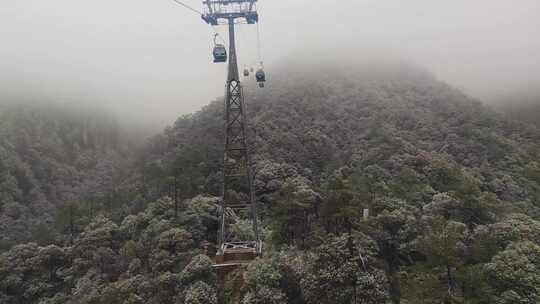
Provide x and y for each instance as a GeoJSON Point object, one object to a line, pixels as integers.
{"type": "Point", "coordinates": [260, 76]}
{"type": "Point", "coordinates": [220, 53]}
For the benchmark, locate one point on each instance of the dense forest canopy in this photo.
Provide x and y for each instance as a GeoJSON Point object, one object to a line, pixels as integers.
{"type": "Point", "coordinates": [53, 156]}
{"type": "Point", "coordinates": [452, 187]}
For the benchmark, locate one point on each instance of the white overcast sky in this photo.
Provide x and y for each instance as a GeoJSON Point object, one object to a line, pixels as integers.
{"type": "Point", "coordinates": [150, 59]}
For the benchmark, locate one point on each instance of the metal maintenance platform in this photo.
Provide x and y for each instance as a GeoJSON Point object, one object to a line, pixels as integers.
{"type": "Point", "coordinates": [234, 254]}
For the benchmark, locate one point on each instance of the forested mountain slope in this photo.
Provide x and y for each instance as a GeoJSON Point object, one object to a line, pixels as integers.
{"type": "Point", "coordinates": [422, 156]}
{"type": "Point", "coordinates": [391, 118]}
{"type": "Point", "coordinates": [52, 156]}
{"type": "Point", "coordinates": [453, 191]}
{"type": "Point", "coordinates": [527, 112]}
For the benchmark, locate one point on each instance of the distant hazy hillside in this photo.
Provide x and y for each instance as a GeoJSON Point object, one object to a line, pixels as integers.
{"type": "Point", "coordinates": [522, 106]}
{"type": "Point", "coordinates": [329, 117]}
{"type": "Point", "coordinates": [52, 156]}
{"type": "Point", "coordinates": [527, 113]}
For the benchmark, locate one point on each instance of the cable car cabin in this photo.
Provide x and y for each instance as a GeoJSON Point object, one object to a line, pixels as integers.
{"type": "Point", "coordinates": [260, 76]}
{"type": "Point", "coordinates": [220, 53]}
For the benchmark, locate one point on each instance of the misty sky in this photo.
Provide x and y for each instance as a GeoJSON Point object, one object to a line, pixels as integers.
{"type": "Point", "coordinates": [150, 59]}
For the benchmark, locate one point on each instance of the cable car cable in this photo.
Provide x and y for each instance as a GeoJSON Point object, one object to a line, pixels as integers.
{"type": "Point", "coordinates": [200, 14]}
{"type": "Point", "coordinates": [216, 34]}
{"type": "Point", "coordinates": [243, 40]}
{"type": "Point", "coordinates": [259, 42]}
{"type": "Point", "coordinates": [187, 6]}
{"type": "Point", "coordinates": [219, 35]}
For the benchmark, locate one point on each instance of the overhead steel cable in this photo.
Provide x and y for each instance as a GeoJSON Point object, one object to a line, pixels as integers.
{"type": "Point", "coordinates": [200, 14]}
{"type": "Point", "coordinates": [188, 7]}
{"type": "Point", "coordinates": [259, 42]}
{"type": "Point", "coordinates": [221, 38]}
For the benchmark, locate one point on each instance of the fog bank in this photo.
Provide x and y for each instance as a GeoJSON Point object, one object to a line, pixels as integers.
{"type": "Point", "coordinates": [149, 61]}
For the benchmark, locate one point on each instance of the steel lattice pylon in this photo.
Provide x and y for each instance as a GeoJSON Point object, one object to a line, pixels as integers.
{"type": "Point", "coordinates": [237, 184]}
